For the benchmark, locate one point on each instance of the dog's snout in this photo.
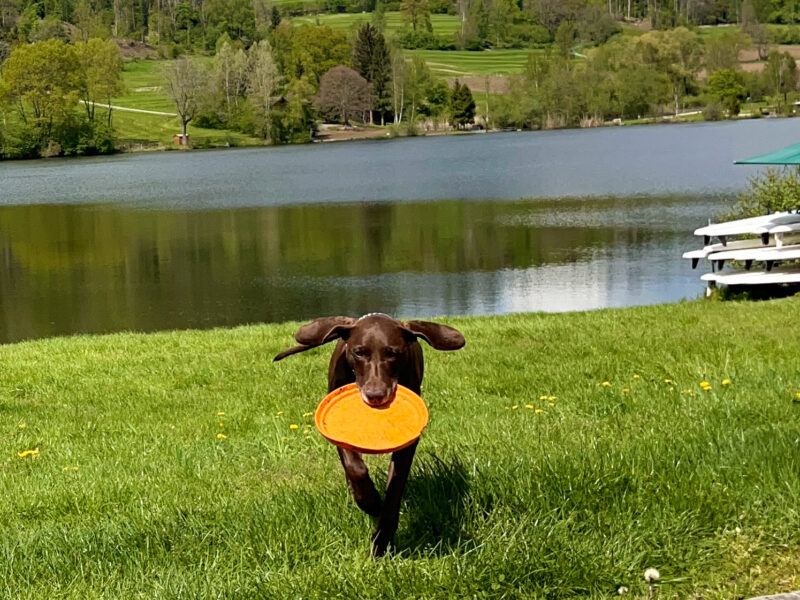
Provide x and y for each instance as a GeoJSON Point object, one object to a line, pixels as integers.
{"type": "Point", "coordinates": [374, 397]}
{"type": "Point", "coordinates": [378, 395]}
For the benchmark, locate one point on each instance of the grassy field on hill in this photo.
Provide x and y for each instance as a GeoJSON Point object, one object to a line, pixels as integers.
{"type": "Point", "coordinates": [144, 89]}
{"type": "Point", "coordinates": [565, 455]}
{"type": "Point", "coordinates": [444, 26]}
{"type": "Point", "coordinates": [455, 63]}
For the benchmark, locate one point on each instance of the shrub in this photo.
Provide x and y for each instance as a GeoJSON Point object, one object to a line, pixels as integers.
{"type": "Point", "coordinates": [772, 191]}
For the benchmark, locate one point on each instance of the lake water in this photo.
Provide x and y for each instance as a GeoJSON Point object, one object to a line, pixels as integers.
{"type": "Point", "coordinates": [482, 224]}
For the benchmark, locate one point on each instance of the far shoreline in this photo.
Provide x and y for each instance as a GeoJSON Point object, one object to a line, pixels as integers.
{"type": "Point", "coordinates": [384, 134]}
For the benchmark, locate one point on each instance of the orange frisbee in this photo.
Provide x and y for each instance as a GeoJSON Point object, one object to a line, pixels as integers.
{"type": "Point", "coordinates": [344, 419]}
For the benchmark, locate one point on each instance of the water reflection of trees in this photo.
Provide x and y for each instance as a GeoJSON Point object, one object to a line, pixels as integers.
{"type": "Point", "coordinates": [71, 268]}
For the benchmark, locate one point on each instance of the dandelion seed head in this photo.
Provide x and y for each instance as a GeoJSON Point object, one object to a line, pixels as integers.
{"type": "Point", "coordinates": [651, 575]}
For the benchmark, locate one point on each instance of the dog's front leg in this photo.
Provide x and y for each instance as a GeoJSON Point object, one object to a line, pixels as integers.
{"type": "Point", "coordinates": [399, 468]}
{"type": "Point", "coordinates": [364, 492]}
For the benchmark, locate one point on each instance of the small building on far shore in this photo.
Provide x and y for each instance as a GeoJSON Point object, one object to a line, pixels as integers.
{"type": "Point", "coordinates": [180, 140]}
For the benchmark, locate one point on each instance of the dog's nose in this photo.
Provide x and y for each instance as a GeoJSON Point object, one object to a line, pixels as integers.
{"type": "Point", "coordinates": [374, 398]}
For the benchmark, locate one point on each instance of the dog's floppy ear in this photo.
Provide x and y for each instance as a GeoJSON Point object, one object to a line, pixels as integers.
{"type": "Point", "coordinates": [438, 336]}
{"type": "Point", "coordinates": [318, 332]}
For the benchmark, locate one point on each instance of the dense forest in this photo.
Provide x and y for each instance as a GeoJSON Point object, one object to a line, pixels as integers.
{"type": "Point", "coordinates": [245, 66]}
{"type": "Point", "coordinates": [200, 23]}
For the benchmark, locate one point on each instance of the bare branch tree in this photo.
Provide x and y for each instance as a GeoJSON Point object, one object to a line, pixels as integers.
{"type": "Point", "coordinates": [187, 84]}
{"type": "Point", "coordinates": [262, 81]}
{"type": "Point", "coordinates": [344, 93]}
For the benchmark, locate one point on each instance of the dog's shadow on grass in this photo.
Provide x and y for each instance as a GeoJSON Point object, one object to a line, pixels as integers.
{"type": "Point", "coordinates": [437, 507]}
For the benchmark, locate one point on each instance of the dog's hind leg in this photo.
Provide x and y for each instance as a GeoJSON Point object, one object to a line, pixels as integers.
{"type": "Point", "coordinates": [366, 496]}
{"type": "Point", "coordinates": [399, 468]}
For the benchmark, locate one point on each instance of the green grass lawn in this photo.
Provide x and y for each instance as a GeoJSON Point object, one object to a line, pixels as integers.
{"type": "Point", "coordinates": [455, 63]}
{"type": "Point", "coordinates": [533, 480]}
{"type": "Point", "coordinates": [145, 89]}
{"type": "Point", "coordinates": [444, 26]}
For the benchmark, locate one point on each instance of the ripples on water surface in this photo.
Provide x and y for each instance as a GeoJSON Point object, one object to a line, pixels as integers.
{"type": "Point", "coordinates": [221, 238]}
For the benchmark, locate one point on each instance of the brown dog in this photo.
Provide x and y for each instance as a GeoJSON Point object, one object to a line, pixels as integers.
{"type": "Point", "coordinates": [378, 353]}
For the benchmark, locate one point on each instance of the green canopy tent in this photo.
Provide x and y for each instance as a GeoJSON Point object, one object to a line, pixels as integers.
{"type": "Point", "coordinates": [786, 156]}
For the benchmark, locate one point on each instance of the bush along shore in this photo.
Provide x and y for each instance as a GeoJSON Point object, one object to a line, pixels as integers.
{"type": "Point", "coordinates": [566, 455]}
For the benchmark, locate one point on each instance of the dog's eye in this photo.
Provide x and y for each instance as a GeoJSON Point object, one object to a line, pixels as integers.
{"type": "Point", "coordinates": [361, 352]}
{"type": "Point", "coordinates": [390, 353]}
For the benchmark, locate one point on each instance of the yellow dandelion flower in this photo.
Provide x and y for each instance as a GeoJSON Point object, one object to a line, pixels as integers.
{"type": "Point", "coordinates": [75, 468]}
{"type": "Point", "coordinates": [726, 382]}
{"type": "Point", "coordinates": [672, 389]}
{"type": "Point", "coordinates": [550, 404]}
{"type": "Point", "coordinates": [220, 414]}
{"type": "Point", "coordinates": [293, 426]}
{"type": "Point", "coordinates": [542, 397]}
{"type": "Point", "coordinates": [707, 389]}
{"type": "Point", "coordinates": [797, 396]}
{"type": "Point", "coordinates": [704, 384]}
{"type": "Point", "coordinates": [635, 376]}
{"type": "Point", "coordinates": [21, 425]}
{"type": "Point", "coordinates": [668, 381]}
{"type": "Point", "coordinates": [307, 414]}
{"type": "Point", "coordinates": [625, 390]}
{"type": "Point", "coordinates": [222, 436]}
{"type": "Point", "coordinates": [529, 406]}
{"type": "Point", "coordinates": [515, 407]}
{"type": "Point", "coordinates": [538, 411]}
{"type": "Point", "coordinates": [308, 437]}
{"type": "Point", "coordinates": [279, 413]}
{"type": "Point", "coordinates": [26, 453]}
{"type": "Point", "coordinates": [606, 384]}
{"type": "Point", "coordinates": [221, 424]}
{"type": "Point", "coordinates": [551, 398]}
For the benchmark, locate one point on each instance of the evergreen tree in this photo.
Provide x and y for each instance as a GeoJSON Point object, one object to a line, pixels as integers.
{"type": "Point", "coordinates": [371, 61]}
{"type": "Point", "coordinates": [462, 105]}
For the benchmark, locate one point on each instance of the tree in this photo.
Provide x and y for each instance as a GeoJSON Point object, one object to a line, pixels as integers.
{"type": "Point", "coordinates": [752, 27]}
{"type": "Point", "coordinates": [186, 84]}
{"type": "Point", "coordinates": [462, 105]}
{"type": "Point", "coordinates": [101, 66]}
{"type": "Point", "coordinates": [343, 93]}
{"type": "Point", "coordinates": [418, 82]}
{"type": "Point", "coordinates": [399, 71]}
{"type": "Point", "coordinates": [262, 82]}
{"type": "Point", "coordinates": [230, 74]}
{"type": "Point", "coordinates": [371, 61]}
{"type": "Point", "coordinates": [43, 81]}
{"type": "Point", "coordinates": [722, 51]}
{"type": "Point", "coordinates": [416, 13]}
{"type": "Point", "coordinates": [565, 38]}
{"type": "Point", "coordinates": [677, 54]}
{"type": "Point", "coordinates": [781, 76]}
{"type": "Point", "coordinates": [726, 86]}
{"type": "Point", "coordinates": [316, 49]}
{"type": "Point", "coordinates": [275, 18]}
{"type": "Point", "coordinates": [379, 16]}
